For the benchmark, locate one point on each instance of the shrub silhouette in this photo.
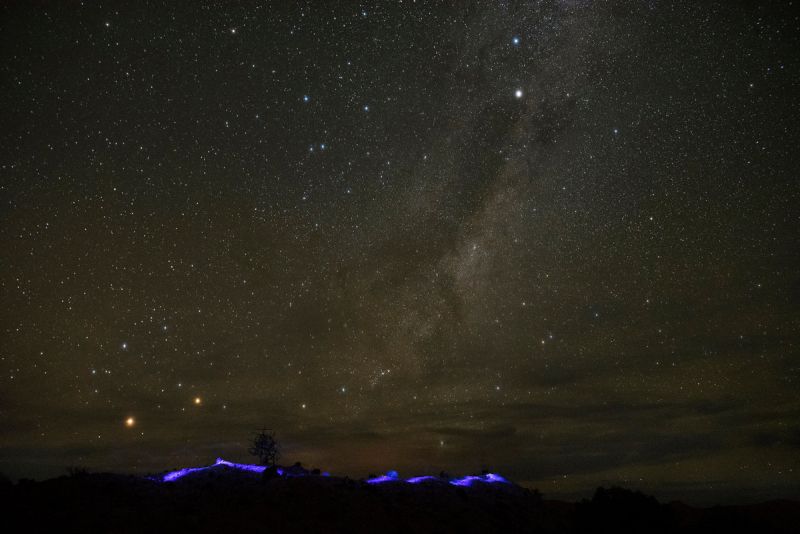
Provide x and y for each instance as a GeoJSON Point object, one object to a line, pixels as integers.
{"type": "Point", "coordinates": [270, 473]}
{"type": "Point", "coordinates": [77, 471]}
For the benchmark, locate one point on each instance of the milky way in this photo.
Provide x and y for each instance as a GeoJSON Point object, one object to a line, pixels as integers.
{"type": "Point", "coordinates": [553, 239]}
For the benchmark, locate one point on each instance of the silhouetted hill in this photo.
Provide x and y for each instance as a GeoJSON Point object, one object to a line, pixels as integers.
{"type": "Point", "coordinates": [229, 500]}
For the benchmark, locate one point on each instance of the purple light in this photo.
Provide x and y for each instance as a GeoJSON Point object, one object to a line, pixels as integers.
{"type": "Point", "coordinates": [417, 480]}
{"type": "Point", "coordinates": [489, 478]}
{"type": "Point", "coordinates": [381, 480]}
{"type": "Point", "coordinates": [246, 467]}
{"type": "Point", "coordinates": [180, 473]}
{"type": "Point", "coordinates": [390, 476]}
{"type": "Point", "coordinates": [175, 475]}
{"type": "Point", "coordinates": [465, 481]}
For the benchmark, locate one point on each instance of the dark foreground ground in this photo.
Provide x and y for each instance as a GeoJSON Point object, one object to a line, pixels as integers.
{"type": "Point", "coordinates": [227, 501]}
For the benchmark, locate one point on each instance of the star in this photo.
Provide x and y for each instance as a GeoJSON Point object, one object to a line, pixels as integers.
{"type": "Point", "coordinates": [518, 93]}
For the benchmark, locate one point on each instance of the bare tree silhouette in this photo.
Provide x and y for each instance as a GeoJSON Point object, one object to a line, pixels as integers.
{"type": "Point", "coordinates": [265, 447]}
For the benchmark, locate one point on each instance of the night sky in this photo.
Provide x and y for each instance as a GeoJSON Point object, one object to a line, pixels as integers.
{"type": "Point", "coordinates": [558, 239]}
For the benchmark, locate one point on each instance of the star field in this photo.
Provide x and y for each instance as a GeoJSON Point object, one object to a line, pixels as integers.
{"type": "Point", "coordinates": [554, 238]}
